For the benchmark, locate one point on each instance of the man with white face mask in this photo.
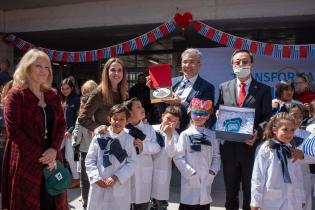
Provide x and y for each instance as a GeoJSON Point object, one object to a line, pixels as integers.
{"type": "Point", "coordinates": [238, 158]}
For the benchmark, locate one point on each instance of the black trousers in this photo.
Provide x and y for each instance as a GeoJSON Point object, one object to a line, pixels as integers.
{"type": "Point", "coordinates": [47, 202]}
{"type": "Point", "coordinates": [141, 206]}
{"type": "Point", "coordinates": [84, 180]}
{"type": "Point", "coordinates": [238, 162]}
{"type": "Point", "coordinates": [193, 207]}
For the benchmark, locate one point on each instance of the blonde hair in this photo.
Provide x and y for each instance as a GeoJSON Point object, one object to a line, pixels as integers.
{"type": "Point", "coordinates": [105, 86]}
{"type": "Point", "coordinates": [275, 122]}
{"type": "Point", "coordinates": [21, 74]}
{"type": "Point", "coordinates": [88, 87]}
{"type": "Point", "coordinates": [5, 90]}
{"type": "Point", "coordinates": [307, 80]}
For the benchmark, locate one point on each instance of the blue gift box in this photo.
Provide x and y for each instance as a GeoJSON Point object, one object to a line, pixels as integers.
{"type": "Point", "coordinates": [235, 124]}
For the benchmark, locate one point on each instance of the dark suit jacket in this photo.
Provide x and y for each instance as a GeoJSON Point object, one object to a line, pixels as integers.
{"type": "Point", "coordinates": [258, 97]}
{"type": "Point", "coordinates": [201, 89]}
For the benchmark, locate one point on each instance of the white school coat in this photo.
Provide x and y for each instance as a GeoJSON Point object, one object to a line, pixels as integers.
{"type": "Point", "coordinates": [268, 190]}
{"type": "Point", "coordinates": [141, 181]}
{"type": "Point", "coordinates": [118, 196]}
{"type": "Point", "coordinates": [304, 165]}
{"type": "Point", "coordinates": [196, 189]}
{"type": "Point", "coordinates": [162, 167]}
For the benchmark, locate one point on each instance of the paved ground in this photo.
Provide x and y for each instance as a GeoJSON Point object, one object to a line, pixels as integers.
{"type": "Point", "coordinates": [218, 193]}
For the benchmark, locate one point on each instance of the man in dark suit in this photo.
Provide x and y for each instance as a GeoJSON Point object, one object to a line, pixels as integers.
{"type": "Point", "coordinates": [238, 158]}
{"type": "Point", "coordinates": [190, 85]}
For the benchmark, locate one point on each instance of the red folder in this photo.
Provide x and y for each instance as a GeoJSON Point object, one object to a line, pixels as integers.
{"type": "Point", "coordinates": [160, 75]}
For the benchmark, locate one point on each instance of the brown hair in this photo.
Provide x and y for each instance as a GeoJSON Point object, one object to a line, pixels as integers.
{"type": "Point", "coordinates": [283, 85]}
{"type": "Point", "coordinates": [275, 122]}
{"type": "Point", "coordinates": [174, 110]}
{"type": "Point", "coordinates": [105, 86]}
{"type": "Point", "coordinates": [118, 108]}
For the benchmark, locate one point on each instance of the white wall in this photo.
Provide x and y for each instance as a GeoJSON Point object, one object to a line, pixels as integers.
{"type": "Point", "coordinates": [127, 12]}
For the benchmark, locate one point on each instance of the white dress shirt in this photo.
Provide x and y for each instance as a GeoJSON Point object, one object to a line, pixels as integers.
{"type": "Point", "coordinates": [238, 83]}
{"type": "Point", "coordinates": [184, 94]}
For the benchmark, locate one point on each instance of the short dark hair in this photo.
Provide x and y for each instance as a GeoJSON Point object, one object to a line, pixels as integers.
{"type": "Point", "coordinates": [312, 106]}
{"type": "Point", "coordinates": [283, 85]}
{"type": "Point", "coordinates": [118, 108]}
{"type": "Point", "coordinates": [174, 110]}
{"type": "Point", "coordinates": [128, 104]}
{"type": "Point", "coordinates": [242, 51]}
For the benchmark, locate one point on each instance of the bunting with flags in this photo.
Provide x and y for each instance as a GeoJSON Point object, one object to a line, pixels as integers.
{"type": "Point", "coordinates": [255, 47]}
{"type": "Point", "coordinates": [182, 21]}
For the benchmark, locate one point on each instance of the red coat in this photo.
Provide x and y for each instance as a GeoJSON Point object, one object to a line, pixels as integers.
{"type": "Point", "coordinates": [22, 173]}
{"type": "Point", "coordinates": [305, 97]}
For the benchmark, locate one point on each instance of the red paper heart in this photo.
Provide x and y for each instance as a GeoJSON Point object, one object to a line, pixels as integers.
{"type": "Point", "coordinates": [183, 20]}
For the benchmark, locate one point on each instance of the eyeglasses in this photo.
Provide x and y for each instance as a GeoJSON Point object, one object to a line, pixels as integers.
{"type": "Point", "coordinates": [239, 62]}
{"type": "Point", "coordinates": [298, 83]}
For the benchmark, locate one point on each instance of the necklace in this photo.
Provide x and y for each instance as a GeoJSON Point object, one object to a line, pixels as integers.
{"type": "Point", "coordinates": [45, 123]}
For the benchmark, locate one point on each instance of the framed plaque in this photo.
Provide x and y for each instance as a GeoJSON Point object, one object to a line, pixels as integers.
{"type": "Point", "coordinates": [235, 124]}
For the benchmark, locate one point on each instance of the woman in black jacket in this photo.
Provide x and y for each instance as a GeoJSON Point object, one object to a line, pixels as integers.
{"type": "Point", "coordinates": [71, 105]}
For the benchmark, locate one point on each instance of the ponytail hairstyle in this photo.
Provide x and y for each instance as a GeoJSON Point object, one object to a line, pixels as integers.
{"type": "Point", "coordinates": [275, 122]}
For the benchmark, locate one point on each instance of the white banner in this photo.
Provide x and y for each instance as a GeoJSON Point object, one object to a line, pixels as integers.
{"type": "Point", "coordinates": [216, 68]}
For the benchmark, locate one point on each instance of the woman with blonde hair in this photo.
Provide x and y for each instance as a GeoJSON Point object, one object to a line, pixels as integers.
{"type": "Point", "coordinates": [112, 90]}
{"type": "Point", "coordinates": [303, 89]}
{"type": "Point", "coordinates": [36, 126]}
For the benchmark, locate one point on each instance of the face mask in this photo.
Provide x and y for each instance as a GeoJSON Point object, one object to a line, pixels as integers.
{"type": "Point", "coordinates": [242, 72]}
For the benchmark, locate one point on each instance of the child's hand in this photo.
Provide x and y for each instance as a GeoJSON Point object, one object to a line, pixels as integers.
{"type": "Point", "coordinates": [102, 129]}
{"type": "Point", "coordinates": [110, 181]}
{"type": "Point", "coordinates": [296, 154]}
{"type": "Point", "coordinates": [139, 144]}
{"type": "Point", "coordinates": [68, 135]}
{"type": "Point", "coordinates": [168, 130]}
{"type": "Point", "coordinates": [101, 183]}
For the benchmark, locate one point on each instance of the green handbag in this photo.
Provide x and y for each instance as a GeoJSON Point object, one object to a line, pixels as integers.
{"type": "Point", "coordinates": [57, 180]}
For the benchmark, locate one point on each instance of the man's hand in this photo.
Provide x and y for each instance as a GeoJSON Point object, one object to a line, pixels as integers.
{"type": "Point", "coordinates": [176, 100]}
{"type": "Point", "coordinates": [252, 141]}
{"type": "Point", "coordinates": [102, 129]}
{"type": "Point", "coordinates": [148, 83]}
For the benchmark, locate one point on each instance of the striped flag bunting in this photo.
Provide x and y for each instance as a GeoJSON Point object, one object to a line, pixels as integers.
{"type": "Point", "coordinates": [94, 55]}
{"type": "Point", "coordinates": [259, 48]}
{"type": "Point", "coordinates": [137, 43]}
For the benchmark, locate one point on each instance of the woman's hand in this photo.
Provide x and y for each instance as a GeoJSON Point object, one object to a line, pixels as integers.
{"type": "Point", "coordinates": [48, 156]}
{"type": "Point", "coordinates": [102, 129]}
{"type": "Point", "coordinates": [52, 165]}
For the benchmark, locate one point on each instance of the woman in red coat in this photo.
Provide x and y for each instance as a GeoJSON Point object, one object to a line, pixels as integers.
{"type": "Point", "coordinates": [303, 89]}
{"type": "Point", "coordinates": [36, 126]}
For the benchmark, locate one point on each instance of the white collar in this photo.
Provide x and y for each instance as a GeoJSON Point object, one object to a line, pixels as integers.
{"type": "Point", "coordinates": [115, 135]}
{"type": "Point", "coordinates": [140, 124]}
{"type": "Point", "coordinates": [247, 82]}
{"type": "Point", "coordinates": [278, 142]}
{"type": "Point", "coordinates": [193, 79]}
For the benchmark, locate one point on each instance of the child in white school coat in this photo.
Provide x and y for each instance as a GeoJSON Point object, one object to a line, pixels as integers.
{"type": "Point", "coordinates": [146, 146]}
{"type": "Point", "coordinates": [299, 139]}
{"type": "Point", "coordinates": [197, 158]}
{"type": "Point", "coordinates": [167, 138]}
{"type": "Point", "coordinates": [110, 162]}
{"type": "Point", "coordinates": [277, 180]}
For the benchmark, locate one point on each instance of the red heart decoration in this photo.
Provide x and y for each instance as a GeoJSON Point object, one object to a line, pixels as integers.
{"type": "Point", "coordinates": [183, 20]}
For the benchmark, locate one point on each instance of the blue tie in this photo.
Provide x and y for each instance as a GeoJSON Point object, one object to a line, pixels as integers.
{"type": "Point", "coordinates": [283, 153]}
{"type": "Point", "coordinates": [181, 88]}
